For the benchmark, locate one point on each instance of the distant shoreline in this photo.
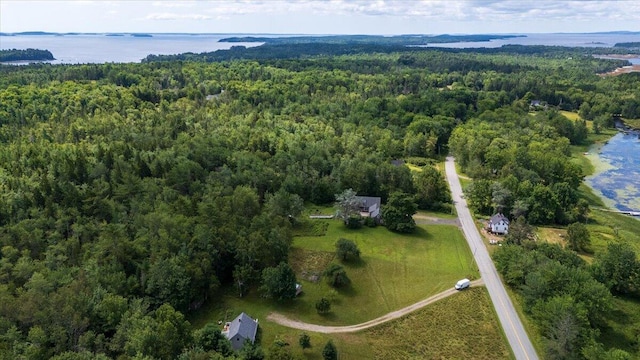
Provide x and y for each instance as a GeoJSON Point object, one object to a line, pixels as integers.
{"type": "Point", "coordinates": [25, 55]}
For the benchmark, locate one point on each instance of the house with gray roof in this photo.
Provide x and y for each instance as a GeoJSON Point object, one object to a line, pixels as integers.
{"type": "Point", "coordinates": [239, 330]}
{"type": "Point", "coordinates": [498, 224]}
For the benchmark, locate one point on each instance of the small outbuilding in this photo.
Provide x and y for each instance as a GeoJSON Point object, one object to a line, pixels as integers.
{"type": "Point", "coordinates": [369, 206]}
{"type": "Point", "coordinates": [239, 330]}
{"type": "Point", "coordinates": [498, 224]}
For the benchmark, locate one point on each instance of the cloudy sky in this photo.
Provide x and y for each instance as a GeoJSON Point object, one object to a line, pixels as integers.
{"type": "Point", "coordinates": [321, 16]}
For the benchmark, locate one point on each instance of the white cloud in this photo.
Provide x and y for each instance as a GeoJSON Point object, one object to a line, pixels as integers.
{"type": "Point", "coordinates": [174, 4]}
{"type": "Point", "coordinates": [489, 10]}
{"type": "Point", "coordinates": [174, 16]}
{"type": "Point", "coordinates": [320, 16]}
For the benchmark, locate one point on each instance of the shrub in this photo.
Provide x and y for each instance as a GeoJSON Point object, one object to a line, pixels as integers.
{"type": "Point", "coordinates": [336, 276]}
{"type": "Point", "coordinates": [323, 306]}
{"type": "Point", "coordinates": [305, 340]}
{"type": "Point", "coordinates": [330, 352]}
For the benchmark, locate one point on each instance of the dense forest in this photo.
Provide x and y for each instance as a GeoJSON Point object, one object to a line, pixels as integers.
{"type": "Point", "coordinates": [628, 45]}
{"type": "Point", "coordinates": [302, 48]}
{"type": "Point", "coordinates": [132, 194]}
{"type": "Point", "coordinates": [23, 55]}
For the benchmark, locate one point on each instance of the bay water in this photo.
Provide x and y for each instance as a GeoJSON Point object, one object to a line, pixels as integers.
{"type": "Point", "coordinates": [617, 176]}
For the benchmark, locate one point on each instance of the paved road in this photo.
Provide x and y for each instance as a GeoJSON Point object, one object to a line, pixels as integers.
{"type": "Point", "coordinates": [516, 335]}
{"type": "Point", "coordinates": [283, 320]}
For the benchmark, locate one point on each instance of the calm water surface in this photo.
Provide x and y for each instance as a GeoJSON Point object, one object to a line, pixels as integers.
{"type": "Point", "coordinates": [80, 49]}
{"type": "Point", "coordinates": [558, 39]}
{"type": "Point", "coordinates": [618, 180]}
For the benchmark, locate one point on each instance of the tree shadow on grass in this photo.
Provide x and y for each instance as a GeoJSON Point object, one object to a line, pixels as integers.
{"type": "Point", "coordinates": [354, 264]}
{"type": "Point", "coordinates": [329, 316]}
{"type": "Point", "coordinates": [347, 291]}
{"type": "Point", "coordinates": [420, 233]}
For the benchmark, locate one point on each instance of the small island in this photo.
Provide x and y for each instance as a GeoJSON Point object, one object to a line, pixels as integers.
{"type": "Point", "coordinates": [635, 44]}
{"type": "Point", "coordinates": [410, 40]}
{"type": "Point", "coordinates": [25, 55]}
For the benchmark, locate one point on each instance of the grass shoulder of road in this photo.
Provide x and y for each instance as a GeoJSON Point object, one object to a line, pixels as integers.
{"type": "Point", "coordinates": [440, 215]}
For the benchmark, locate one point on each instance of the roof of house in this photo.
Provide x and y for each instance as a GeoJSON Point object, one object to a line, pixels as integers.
{"type": "Point", "coordinates": [367, 201]}
{"type": "Point", "coordinates": [244, 326]}
{"type": "Point", "coordinates": [497, 218]}
{"type": "Point", "coordinates": [397, 162]}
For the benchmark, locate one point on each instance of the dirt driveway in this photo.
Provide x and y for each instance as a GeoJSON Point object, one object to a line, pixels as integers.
{"type": "Point", "coordinates": [285, 321]}
{"type": "Point", "coordinates": [431, 220]}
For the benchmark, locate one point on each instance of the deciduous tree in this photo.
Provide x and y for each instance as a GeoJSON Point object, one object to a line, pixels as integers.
{"type": "Point", "coordinates": [347, 250]}
{"type": "Point", "coordinates": [578, 237]}
{"type": "Point", "coordinates": [397, 213]}
{"type": "Point", "coordinates": [279, 282]}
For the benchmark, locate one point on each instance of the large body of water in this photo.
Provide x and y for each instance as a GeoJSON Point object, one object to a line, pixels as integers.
{"type": "Point", "coordinates": [557, 39]}
{"type": "Point", "coordinates": [617, 177]}
{"type": "Point", "coordinates": [81, 49]}
{"type": "Point", "coordinates": [74, 49]}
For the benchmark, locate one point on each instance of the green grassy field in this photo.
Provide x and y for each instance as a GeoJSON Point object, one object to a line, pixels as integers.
{"type": "Point", "coordinates": [394, 271]}
{"type": "Point", "coordinates": [623, 325]}
{"type": "Point", "coordinates": [570, 115]}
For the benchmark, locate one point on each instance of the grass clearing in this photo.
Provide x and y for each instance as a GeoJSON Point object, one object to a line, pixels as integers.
{"type": "Point", "coordinates": [552, 235]}
{"type": "Point", "coordinates": [460, 326]}
{"type": "Point", "coordinates": [622, 325]}
{"type": "Point", "coordinates": [570, 115]}
{"type": "Point", "coordinates": [394, 270]}
{"type": "Point", "coordinates": [634, 123]}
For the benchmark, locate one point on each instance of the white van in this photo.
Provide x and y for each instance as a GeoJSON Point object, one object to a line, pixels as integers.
{"type": "Point", "coordinates": [463, 284]}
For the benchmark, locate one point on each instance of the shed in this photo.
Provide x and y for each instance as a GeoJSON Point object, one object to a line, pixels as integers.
{"type": "Point", "coordinates": [369, 206]}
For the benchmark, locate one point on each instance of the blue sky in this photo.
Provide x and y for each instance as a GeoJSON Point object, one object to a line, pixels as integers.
{"type": "Point", "coordinates": [322, 16]}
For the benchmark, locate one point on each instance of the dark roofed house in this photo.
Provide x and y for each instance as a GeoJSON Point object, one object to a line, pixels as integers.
{"type": "Point", "coordinates": [369, 206]}
{"type": "Point", "coordinates": [498, 224]}
{"type": "Point", "coordinates": [239, 330]}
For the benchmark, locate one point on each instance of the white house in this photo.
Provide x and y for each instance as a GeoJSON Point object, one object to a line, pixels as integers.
{"type": "Point", "coordinates": [498, 224]}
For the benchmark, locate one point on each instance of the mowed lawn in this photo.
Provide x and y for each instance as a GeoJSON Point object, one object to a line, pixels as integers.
{"type": "Point", "coordinates": [394, 271]}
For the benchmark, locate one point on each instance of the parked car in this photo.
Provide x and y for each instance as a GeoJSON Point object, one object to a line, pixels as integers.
{"type": "Point", "coordinates": [463, 284]}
